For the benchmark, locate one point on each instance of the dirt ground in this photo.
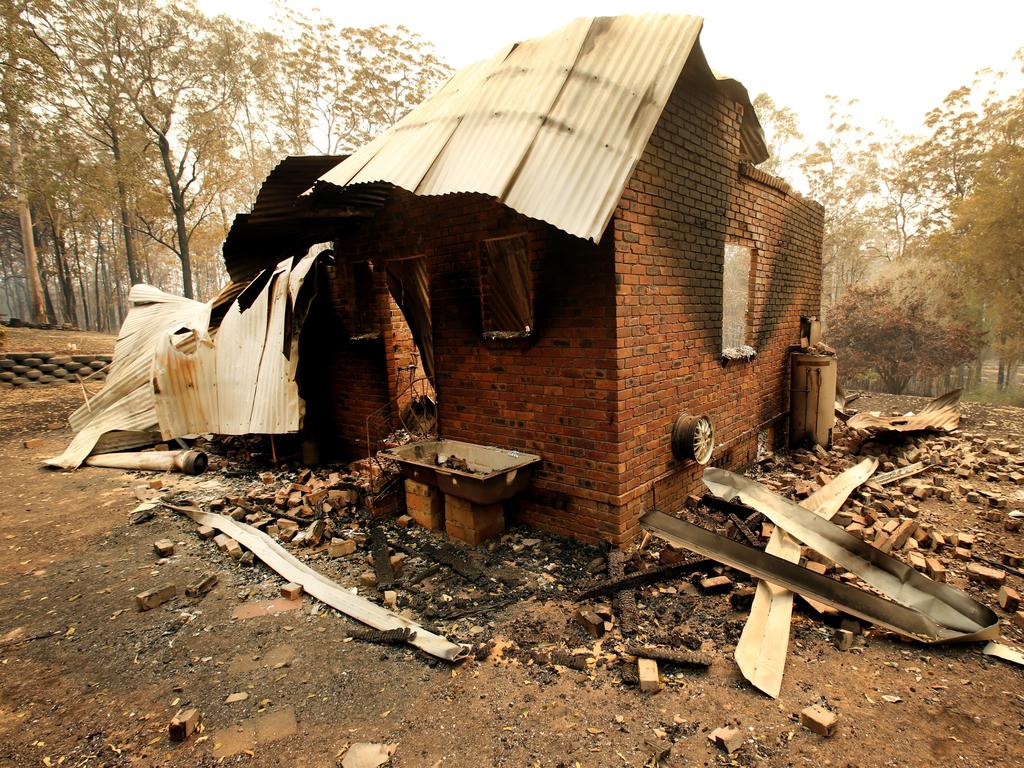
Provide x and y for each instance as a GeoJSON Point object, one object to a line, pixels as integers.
{"type": "Point", "coordinates": [61, 342]}
{"type": "Point", "coordinates": [87, 679]}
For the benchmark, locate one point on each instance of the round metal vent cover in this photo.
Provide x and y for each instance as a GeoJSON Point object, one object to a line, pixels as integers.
{"type": "Point", "coordinates": [693, 437]}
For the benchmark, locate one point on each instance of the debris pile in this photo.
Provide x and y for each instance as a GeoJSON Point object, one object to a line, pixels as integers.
{"type": "Point", "coordinates": [661, 614]}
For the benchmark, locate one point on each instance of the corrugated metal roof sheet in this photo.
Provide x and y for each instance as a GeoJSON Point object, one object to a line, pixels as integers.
{"type": "Point", "coordinates": [291, 177]}
{"type": "Point", "coordinates": [242, 381]}
{"type": "Point", "coordinates": [940, 415]}
{"type": "Point", "coordinates": [172, 373]}
{"type": "Point", "coordinates": [551, 127]}
{"type": "Point", "coordinates": [280, 224]}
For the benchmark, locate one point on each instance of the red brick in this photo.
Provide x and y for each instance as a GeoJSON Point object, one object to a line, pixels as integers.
{"type": "Point", "coordinates": [292, 591]}
{"type": "Point", "coordinates": [152, 598]}
{"type": "Point", "coordinates": [1009, 599]}
{"type": "Point", "coordinates": [820, 720]}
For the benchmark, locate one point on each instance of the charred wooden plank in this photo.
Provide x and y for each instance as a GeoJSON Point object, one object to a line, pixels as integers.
{"type": "Point", "coordinates": [675, 656]}
{"type": "Point", "coordinates": [381, 558]}
{"type": "Point", "coordinates": [625, 599]}
{"type": "Point", "coordinates": [384, 636]}
{"type": "Point", "coordinates": [577, 661]}
{"type": "Point", "coordinates": [446, 555]}
{"type": "Point", "coordinates": [630, 673]}
{"type": "Point", "coordinates": [646, 577]}
{"type": "Point", "coordinates": [752, 540]}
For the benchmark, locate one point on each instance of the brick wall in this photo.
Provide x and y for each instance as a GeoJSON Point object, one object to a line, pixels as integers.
{"type": "Point", "coordinates": [355, 372]}
{"type": "Point", "coordinates": [685, 200]}
{"type": "Point", "coordinates": [552, 394]}
{"type": "Point", "coordinates": [628, 332]}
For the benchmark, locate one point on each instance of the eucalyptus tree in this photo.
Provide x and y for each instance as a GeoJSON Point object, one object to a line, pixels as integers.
{"type": "Point", "coordinates": [20, 78]}
{"type": "Point", "coordinates": [183, 80]}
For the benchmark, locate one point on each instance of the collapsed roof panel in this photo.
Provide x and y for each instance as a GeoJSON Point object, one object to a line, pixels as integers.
{"type": "Point", "coordinates": [281, 223]}
{"type": "Point", "coordinates": [551, 127]}
{"type": "Point", "coordinates": [171, 373]}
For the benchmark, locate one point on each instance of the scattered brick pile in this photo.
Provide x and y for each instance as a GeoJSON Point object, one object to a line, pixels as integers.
{"type": "Point", "coordinates": [954, 469]}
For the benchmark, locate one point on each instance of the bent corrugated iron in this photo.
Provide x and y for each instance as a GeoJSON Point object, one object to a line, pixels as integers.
{"type": "Point", "coordinates": [174, 373]}
{"type": "Point", "coordinates": [938, 612]}
{"type": "Point", "coordinates": [551, 127]}
{"type": "Point", "coordinates": [940, 415]}
{"type": "Point", "coordinates": [761, 650]}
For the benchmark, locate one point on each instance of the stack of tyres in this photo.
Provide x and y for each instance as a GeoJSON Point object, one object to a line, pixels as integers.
{"type": "Point", "coordinates": [33, 369]}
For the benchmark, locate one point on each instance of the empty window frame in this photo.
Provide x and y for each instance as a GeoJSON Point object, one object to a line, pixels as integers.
{"type": "Point", "coordinates": [359, 300]}
{"type": "Point", "coordinates": [506, 290]}
{"type": "Point", "coordinates": [735, 296]}
{"type": "Point", "coordinates": [409, 284]}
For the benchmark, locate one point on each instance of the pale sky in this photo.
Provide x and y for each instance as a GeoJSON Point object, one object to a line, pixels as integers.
{"type": "Point", "coordinates": [899, 58]}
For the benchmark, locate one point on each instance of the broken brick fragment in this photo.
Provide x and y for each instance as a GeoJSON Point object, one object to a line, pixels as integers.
{"type": "Point", "coordinates": [164, 547]}
{"type": "Point", "coordinates": [233, 549]}
{"type": "Point", "coordinates": [819, 720]}
{"type": "Point", "coordinates": [844, 639]}
{"type": "Point", "coordinates": [715, 585]}
{"type": "Point", "coordinates": [986, 575]}
{"type": "Point", "coordinates": [647, 669]}
{"type": "Point", "coordinates": [1009, 599]}
{"type": "Point", "coordinates": [153, 598]}
{"type": "Point", "coordinates": [936, 570]}
{"type": "Point", "coordinates": [201, 587]}
{"type": "Point", "coordinates": [729, 739]}
{"type": "Point", "coordinates": [183, 724]}
{"type": "Point", "coordinates": [591, 622]}
{"type": "Point", "coordinates": [292, 591]}
{"type": "Point", "coordinates": [341, 547]}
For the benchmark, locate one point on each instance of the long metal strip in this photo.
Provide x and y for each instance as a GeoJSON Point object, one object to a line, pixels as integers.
{"type": "Point", "coordinates": [322, 588]}
{"type": "Point", "coordinates": [909, 622]}
{"type": "Point", "coordinates": [762, 647]}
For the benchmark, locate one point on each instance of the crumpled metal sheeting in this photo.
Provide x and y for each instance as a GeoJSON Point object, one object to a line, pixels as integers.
{"type": "Point", "coordinates": [763, 644]}
{"type": "Point", "coordinates": [909, 622]}
{"type": "Point", "coordinates": [172, 374]}
{"type": "Point", "coordinates": [1004, 652]}
{"type": "Point", "coordinates": [954, 614]}
{"type": "Point", "coordinates": [551, 127]}
{"type": "Point", "coordinates": [126, 401]}
{"type": "Point", "coordinates": [941, 415]}
{"type": "Point", "coordinates": [242, 380]}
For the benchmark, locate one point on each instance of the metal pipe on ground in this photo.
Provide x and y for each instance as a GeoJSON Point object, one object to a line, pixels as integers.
{"type": "Point", "coordinates": [188, 462]}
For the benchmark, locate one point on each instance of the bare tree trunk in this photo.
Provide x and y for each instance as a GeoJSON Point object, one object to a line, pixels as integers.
{"type": "Point", "coordinates": [51, 313]}
{"type": "Point", "coordinates": [12, 102]}
{"type": "Point", "coordinates": [28, 244]}
{"type": "Point", "coordinates": [75, 246]}
{"type": "Point", "coordinates": [122, 205]}
{"type": "Point", "coordinates": [96, 279]}
{"type": "Point", "coordinates": [7, 272]}
{"type": "Point", "coordinates": [63, 268]}
{"type": "Point", "coordinates": [111, 308]}
{"type": "Point", "coordinates": [178, 206]}
{"type": "Point", "coordinates": [118, 279]}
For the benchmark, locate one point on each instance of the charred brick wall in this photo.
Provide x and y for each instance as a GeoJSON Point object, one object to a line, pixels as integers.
{"type": "Point", "coordinates": [356, 373]}
{"type": "Point", "coordinates": [552, 394]}
{"type": "Point", "coordinates": [687, 198]}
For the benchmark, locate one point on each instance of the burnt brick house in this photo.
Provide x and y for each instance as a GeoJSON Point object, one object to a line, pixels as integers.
{"type": "Point", "coordinates": [583, 249]}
